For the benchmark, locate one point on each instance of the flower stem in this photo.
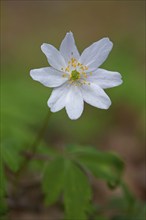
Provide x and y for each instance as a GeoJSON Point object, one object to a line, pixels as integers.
{"type": "Point", "coordinates": [40, 134]}
{"type": "Point", "coordinates": [34, 145]}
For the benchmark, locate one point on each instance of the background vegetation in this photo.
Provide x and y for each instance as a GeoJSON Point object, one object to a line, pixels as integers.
{"type": "Point", "coordinates": [25, 26]}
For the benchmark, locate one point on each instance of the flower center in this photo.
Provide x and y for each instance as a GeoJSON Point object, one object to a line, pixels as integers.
{"type": "Point", "coordinates": [76, 72]}
{"type": "Point", "coordinates": [75, 75]}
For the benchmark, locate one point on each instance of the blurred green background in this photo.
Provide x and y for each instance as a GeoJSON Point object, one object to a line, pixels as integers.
{"type": "Point", "coordinates": [25, 25]}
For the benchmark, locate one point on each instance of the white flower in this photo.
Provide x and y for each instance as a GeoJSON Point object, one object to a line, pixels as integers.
{"type": "Point", "coordinates": [77, 78]}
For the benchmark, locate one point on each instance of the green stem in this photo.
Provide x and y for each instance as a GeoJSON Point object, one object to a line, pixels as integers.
{"type": "Point", "coordinates": [33, 148]}
{"type": "Point", "coordinates": [35, 144]}
{"type": "Point", "coordinates": [40, 134]}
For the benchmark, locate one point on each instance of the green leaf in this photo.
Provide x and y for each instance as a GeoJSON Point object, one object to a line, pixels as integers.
{"type": "Point", "coordinates": [45, 151]}
{"type": "Point", "coordinates": [3, 205]}
{"type": "Point", "coordinates": [2, 179]}
{"type": "Point", "coordinates": [21, 112]}
{"type": "Point", "coordinates": [10, 156]}
{"type": "Point", "coordinates": [53, 180]}
{"type": "Point", "coordinates": [62, 175]}
{"type": "Point", "coordinates": [105, 165]}
{"type": "Point", "coordinates": [129, 197]}
{"type": "Point", "coordinates": [77, 193]}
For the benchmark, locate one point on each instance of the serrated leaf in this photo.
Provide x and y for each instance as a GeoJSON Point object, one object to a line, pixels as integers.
{"type": "Point", "coordinates": [77, 193]}
{"type": "Point", "coordinates": [104, 165]}
{"type": "Point", "coordinates": [92, 153]}
{"type": "Point", "coordinates": [53, 180]}
{"type": "Point", "coordinates": [45, 151]}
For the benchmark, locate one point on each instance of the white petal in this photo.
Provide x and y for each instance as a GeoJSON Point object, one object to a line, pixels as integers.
{"type": "Point", "coordinates": [68, 48]}
{"type": "Point", "coordinates": [57, 99]}
{"type": "Point", "coordinates": [96, 54]}
{"type": "Point", "coordinates": [95, 96]}
{"type": "Point", "coordinates": [48, 76]}
{"type": "Point", "coordinates": [74, 103]}
{"type": "Point", "coordinates": [105, 79]}
{"type": "Point", "coordinates": [54, 57]}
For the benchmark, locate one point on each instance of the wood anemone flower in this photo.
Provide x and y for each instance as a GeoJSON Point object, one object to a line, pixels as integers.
{"type": "Point", "coordinates": [77, 78]}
